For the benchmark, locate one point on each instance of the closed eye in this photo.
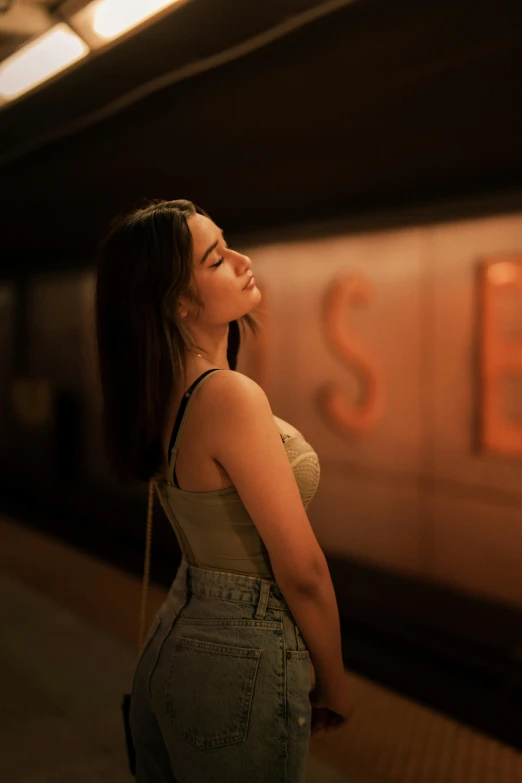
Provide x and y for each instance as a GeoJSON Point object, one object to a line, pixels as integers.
{"type": "Point", "coordinates": [219, 262]}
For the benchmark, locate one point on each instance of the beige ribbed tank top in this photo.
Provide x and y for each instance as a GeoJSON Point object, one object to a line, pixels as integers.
{"type": "Point", "coordinates": [214, 529]}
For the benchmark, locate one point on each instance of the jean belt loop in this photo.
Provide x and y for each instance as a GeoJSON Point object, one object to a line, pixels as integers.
{"type": "Point", "coordinates": [263, 599]}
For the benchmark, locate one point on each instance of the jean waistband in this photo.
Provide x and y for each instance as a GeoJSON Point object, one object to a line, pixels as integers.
{"type": "Point", "coordinates": [230, 586]}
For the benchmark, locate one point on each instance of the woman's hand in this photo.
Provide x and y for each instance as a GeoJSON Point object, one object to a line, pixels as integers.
{"type": "Point", "coordinates": [330, 711]}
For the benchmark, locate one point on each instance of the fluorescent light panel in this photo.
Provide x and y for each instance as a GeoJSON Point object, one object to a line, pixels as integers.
{"type": "Point", "coordinates": [106, 20]}
{"type": "Point", "coordinates": [39, 60]}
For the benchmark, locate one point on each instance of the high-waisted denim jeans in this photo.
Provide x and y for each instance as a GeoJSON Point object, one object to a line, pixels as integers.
{"type": "Point", "coordinates": [221, 689]}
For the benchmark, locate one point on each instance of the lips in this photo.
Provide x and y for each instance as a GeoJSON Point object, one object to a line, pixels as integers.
{"type": "Point", "coordinates": [250, 283]}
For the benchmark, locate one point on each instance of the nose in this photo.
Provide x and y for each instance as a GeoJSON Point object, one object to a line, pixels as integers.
{"type": "Point", "coordinates": [246, 261]}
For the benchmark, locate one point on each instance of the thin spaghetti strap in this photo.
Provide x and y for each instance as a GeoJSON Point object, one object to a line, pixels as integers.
{"type": "Point", "coordinates": [146, 568]}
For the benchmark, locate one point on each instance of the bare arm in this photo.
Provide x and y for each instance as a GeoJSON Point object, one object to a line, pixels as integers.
{"type": "Point", "coordinates": [258, 466]}
{"type": "Point", "coordinates": [317, 616]}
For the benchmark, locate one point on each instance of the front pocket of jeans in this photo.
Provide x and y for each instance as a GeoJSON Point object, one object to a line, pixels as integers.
{"type": "Point", "coordinates": [210, 691]}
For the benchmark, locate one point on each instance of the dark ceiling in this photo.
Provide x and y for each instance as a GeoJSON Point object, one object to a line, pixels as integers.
{"type": "Point", "coordinates": [379, 105]}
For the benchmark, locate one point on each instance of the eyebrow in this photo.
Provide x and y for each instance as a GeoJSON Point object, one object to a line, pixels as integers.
{"type": "Point", "coordinates": [211, 248]}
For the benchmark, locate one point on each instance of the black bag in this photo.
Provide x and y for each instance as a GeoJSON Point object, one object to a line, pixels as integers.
{"type": "Point", "coordinates": [126, 700]}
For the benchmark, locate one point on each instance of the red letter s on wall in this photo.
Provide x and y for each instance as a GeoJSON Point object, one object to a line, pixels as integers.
{"type": "Point", "coordinates": [351, 291]}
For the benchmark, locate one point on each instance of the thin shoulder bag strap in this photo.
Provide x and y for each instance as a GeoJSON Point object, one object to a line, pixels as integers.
{"type": "Point", "coordinates": [146, 568]}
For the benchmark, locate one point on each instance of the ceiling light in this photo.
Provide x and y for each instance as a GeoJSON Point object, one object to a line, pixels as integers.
{"type": "Point", "coordinates": [108, 19]}
{"type": "Point", "coordinates": [39, 60]}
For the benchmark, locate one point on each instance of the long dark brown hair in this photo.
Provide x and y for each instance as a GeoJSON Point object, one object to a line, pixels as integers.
{"type": "Point", "coordinates": [144, 265]}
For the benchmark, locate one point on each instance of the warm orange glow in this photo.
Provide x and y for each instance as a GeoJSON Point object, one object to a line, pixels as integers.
{"type": "Point", "coordinates": [503, 273]}
{"type": "Point", "coordinates": [501, 356]}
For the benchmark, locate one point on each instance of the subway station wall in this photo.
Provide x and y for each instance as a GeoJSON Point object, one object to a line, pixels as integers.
{"type": "Point", "coordinates": [406, 482]}
{"type": "Point", "coordinates": [372, 346]}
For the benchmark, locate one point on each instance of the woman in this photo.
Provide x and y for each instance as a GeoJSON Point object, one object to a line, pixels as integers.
{"type": "Point", "coordinates": [223, 688]}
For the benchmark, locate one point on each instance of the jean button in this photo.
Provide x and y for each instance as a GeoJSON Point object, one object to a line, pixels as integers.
{"type": "Point", "coordinates": [288, 655]}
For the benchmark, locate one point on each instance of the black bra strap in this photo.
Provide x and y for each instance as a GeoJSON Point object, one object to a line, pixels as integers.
{"type": "Point", "coordinates": [182, 407]}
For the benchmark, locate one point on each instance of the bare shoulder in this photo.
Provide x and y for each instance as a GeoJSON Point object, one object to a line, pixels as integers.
{"type": "Point", "coordinates": [229, 386]}
{"type": "Point", "coordinates": [236, 392]}
{"type": "Point", "coordinates": [229, 400]}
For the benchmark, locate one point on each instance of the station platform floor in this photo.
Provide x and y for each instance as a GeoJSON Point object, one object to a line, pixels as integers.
{"type": "Point", "coordinates": [67, 652]}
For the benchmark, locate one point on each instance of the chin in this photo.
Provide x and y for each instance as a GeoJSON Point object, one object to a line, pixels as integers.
{"type": "Point", "coordinates": [259, 294]}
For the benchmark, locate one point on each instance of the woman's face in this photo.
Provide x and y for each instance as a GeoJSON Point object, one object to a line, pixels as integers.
{"type": "Point", "coordinates": [221, 273]}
